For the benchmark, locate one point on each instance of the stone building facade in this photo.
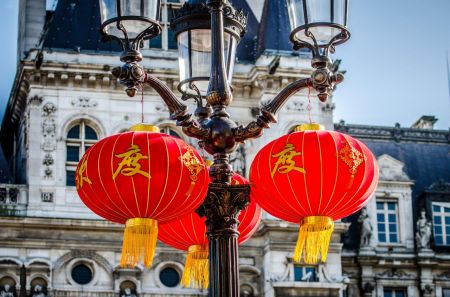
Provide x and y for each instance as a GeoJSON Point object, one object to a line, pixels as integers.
{"type": "Point", "coordinates": [64, 99]}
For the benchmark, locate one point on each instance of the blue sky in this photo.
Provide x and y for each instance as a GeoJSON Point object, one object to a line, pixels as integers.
{"type": "Point", "coordinates": [395, 61]}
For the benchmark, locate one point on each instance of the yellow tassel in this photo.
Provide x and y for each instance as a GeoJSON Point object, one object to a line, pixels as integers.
{"type": "Point", "coordinates": [139, 242]}
{"type": "Point", "coordinates": [313, 239]}
{"type": "Point", "coordinates": [196, 273]}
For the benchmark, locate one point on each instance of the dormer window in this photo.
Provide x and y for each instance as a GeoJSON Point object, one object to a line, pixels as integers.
{"type": "Point", "coordinates": [387, 221]}
{"type": "Point", "coordinates": [441, 223]}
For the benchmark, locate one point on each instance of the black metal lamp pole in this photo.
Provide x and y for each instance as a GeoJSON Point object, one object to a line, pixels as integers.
{"type": "Point", "coordinates": [217, 133]}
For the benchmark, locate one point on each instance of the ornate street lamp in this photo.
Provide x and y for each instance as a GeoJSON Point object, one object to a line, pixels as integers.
{"type": "Point", "coordinates": [208, 32]}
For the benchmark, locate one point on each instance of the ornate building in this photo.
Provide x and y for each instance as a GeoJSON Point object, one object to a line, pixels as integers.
{"type": "Point", "coordinates": [64, 99]}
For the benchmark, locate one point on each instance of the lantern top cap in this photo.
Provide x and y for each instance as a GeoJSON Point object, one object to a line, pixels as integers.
{"type": "Point", "coordinates": [144, 128]}
{"type": "Point", "coordinates": [309, 127]}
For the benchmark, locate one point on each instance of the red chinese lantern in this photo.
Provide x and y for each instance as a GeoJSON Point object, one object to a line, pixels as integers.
{"type": "Point", "coordinates": [141, 178]}
{"type": "Point", "coordinates": [189, 234]}
{"type": "Point", "coordinates": [313, 178]}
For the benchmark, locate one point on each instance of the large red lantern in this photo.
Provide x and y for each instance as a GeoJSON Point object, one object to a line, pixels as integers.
{"type": "Point", "coordinates": [140, 178]}
{"type": "Point", "coordinates": [313, 177]}
{"type": "Point", "coordinates": [189, 234]}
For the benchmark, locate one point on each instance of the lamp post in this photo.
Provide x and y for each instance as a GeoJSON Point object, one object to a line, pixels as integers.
{"type": "Point", "coordinates": [208, 32]}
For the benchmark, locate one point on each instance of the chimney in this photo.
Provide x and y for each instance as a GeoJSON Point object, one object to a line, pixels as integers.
{"type": "Point", "coordinates": [425, 122]}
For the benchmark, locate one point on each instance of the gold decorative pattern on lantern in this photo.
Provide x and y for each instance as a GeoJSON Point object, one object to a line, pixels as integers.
{"type": "Point", "coordinates": [192, 163]}
{"type": "Point", "coordinates": [80, 177]}
{"type": "Point", "coordinates": [129, 165]}
{"type": "Point", "coordinates": [285, 162]}
{"type": "Point", "coordinates": [352, 157]}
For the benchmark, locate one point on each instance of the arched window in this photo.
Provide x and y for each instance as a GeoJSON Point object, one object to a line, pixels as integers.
{"type": "Point", "coordinates": [79, 138]}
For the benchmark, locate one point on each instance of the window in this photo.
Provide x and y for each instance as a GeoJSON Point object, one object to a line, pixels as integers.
{"type": "Point", "coordinates": [79, 138]}
{"type": "Point", "coordinates": [81, 274]}
{"type": "Point", "coordinates": [166, 40]}
{"type": "Point", "coordinates": [169, 277]}
{"type": "Point", "coordinates": [304, 274]}
{"type": "Point", "coordinates": [394, 292]}
{"type": "Point", "coordinates": [441, 223]}
{"type": "Point", "coordinates": [387, 218]}
{"type": "Point", "coordinates": [446, 293]}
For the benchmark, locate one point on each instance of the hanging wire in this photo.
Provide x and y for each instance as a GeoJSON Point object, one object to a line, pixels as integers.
{"type": "Point", "coordinates": [309, 105]}
{"type": "Point", "coordinates": [142, 103]}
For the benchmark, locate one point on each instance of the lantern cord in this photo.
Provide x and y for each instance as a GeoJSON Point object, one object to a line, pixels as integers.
{"type": "Point", "coordinates": [139, 242]}
{"type": "Point", "coordinates": [142, 103]}
{"type": "Point", "coordinates": [313, 239]}
{"type": "Point", "coordinates": [309, 105]}
{"type": "Point", "coordinates": [195, 273]}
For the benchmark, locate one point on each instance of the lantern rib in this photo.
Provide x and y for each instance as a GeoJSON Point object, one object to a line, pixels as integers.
{"type": "Point", "coordinates": [304, 175]}
{"type": "Point", "coordinates": [165, 181]}
{"type": "Point", "coordinates": [112, 170]}
{"type": "Point", "coordinates": [333, 211]}
{"type": "Point", "coordinates": [342, 211]}
{"type": "Point", "coordinates": [103, 187]}
{"type": "Point", "coordinates": [292, 189]}
{"type": "Point", "coordinates": [118, 217]}
{"type": "Point", "coordinates": [149, 171]}
{"type": "Point", "coordinates": [276, 187]}
{"type": "Point", "coordinates": [134, 187]}
{"type": "Point", "coordinates": [321, 173]}
{"type": "Point", "coordinates": [331, 134]}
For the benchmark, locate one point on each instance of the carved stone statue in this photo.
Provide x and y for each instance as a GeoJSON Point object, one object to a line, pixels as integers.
{"type": "Point", "coordinates": [423, 234]}
{"type": "Point", "coordinates": [366, 228]}
{"type": "Point", "coordinates": [6, 291]}
{"type": "Point", "coordinates": [38, 291]}
{"type": "Point", "coordinates": [127, 293]}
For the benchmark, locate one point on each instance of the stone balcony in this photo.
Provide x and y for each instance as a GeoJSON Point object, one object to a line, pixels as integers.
{"type": "Point", "coordinates": [13, 200]}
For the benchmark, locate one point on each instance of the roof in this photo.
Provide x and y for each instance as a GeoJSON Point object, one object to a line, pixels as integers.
{"type": "Point", "coordinates": [75, 26]}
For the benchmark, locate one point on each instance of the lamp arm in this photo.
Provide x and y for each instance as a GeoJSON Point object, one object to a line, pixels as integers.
{"type": "Point", "coordinates": [178, 110]}
{"type": "Point", "coordinates": [268, 112]}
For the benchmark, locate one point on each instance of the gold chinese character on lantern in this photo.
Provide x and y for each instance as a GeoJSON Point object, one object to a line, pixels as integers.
{"type": "Point", "coordinates": [285, 162]}
{"type": "Point", "coordinates": [192, 163]}
{"type": "Point", "coordinates": [130, 165]}
{"type": "Point", "coordinates": [80, 178]}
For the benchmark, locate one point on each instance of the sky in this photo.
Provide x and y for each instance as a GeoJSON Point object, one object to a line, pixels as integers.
{"type": "Point", "coordinates": [395, 61]}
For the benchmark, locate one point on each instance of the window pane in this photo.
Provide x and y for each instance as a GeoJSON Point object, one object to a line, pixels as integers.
{"type": "Point", "coordinates": [437, 220]}
{"type": "Point", "coordinates": [298, 273]}
{"type": "Point", "coordinates": [387, 293]}
{"type": "Point", "coordinates": [74, 132]}
{"type": "Point", "coordinates": [447, 230]}
{"type": "Point", "coordinates": [70, 178]}
{"type": "Point", "coordinates": [446, 293]}
{"type": "Point", "coordinates": [438, 240]}
{"type": "Point", "coordinates": [447, 240]}
{"type": "Point", "coordinates": [447, 220]}
{"type": "Point", "coordinates": [380, 217]}
{"type": "Point", "coordinates": [381, 237]}
{"type": "Point", "coordinates": [436, 208]}
{"type": "Point", "coordinates": [400, 294]}
{"type": "Point", "coordinates": [171, 41]}
{"type": "Point", "coordinates": [380, 205]}
{"type": "Point", "coordinates": [381, 228]}
{"type": "Point", "coordinates": [392, 218]}
{"type": "Point", "coordinates": [392, 228]}
{"type": "Point", "coordinates": [393, 237]}
{"type": "Point", "coordinates": [438, 229]}
{"type": "Point", "coordinates": [447, 210]}
{"type": "Point", "coordinates": [90, 133]}
{"type": "Point", "coordinates": [156, 42]}
{"type": "Point", "coordinates": [73, 153]}
{"type": "Point", "coordinates": [391, 205]}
